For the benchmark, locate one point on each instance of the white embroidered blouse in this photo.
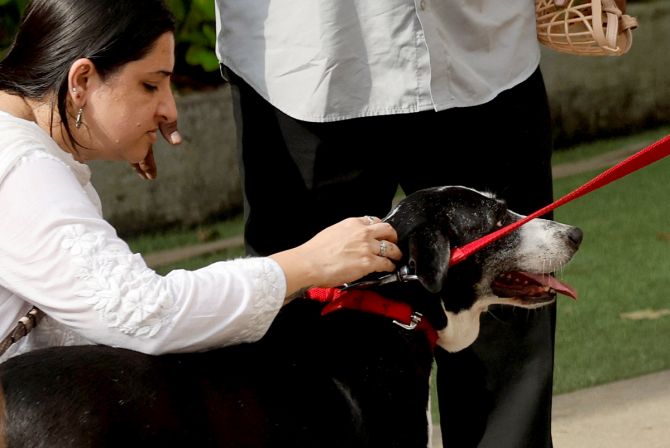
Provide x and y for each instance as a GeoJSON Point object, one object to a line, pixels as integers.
{"type": "Point", "coordinates": [59, 254]}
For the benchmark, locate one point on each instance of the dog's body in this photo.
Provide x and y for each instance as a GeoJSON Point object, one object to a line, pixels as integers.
{"type": "Point", "coordinates": [347, 379]}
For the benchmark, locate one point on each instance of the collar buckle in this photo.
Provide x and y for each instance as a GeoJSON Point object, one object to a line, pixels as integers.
{"type": "Point", "coordinates": [415, 320]}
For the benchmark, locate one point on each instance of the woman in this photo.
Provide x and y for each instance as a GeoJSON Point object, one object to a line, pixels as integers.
{"type": "Point", "coordinates": [91, 80]}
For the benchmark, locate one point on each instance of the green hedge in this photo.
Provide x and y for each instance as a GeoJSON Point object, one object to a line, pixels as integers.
{"type": "Point", "coordinates": [10, 13]}
{"type": "Point", "coordinates": [196, 63]}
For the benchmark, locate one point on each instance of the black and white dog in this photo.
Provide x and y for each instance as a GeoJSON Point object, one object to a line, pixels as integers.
{"type": "Point", "coordinates": [346, 379]}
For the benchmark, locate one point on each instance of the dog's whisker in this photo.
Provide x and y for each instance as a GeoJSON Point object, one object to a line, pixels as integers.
{"type": "Point", "coordinates": [494, 316]}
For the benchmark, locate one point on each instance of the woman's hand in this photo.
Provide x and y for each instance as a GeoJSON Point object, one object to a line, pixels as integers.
{"type": "Point", "coordinates": [341, 253]}
{"type": "Point", "coordinates": [147, 168]}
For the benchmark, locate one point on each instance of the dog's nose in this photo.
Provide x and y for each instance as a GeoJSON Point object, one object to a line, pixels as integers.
{"type": "Point", "coordinates": [575, 235]}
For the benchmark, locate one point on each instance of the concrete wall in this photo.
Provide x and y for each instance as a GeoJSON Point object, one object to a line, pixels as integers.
{"type": "Point", "coordinates": [590, 97]}
{"type": "Point", "coordinates": [197, 180]}
{"type": "Point", "coordinates": [595, 96]}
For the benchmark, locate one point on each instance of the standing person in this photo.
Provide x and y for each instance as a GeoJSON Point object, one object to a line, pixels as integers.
{"type": "Point", "coordinates": [91, 80]}
{"type": "Point", "coordinates": [338, 103]}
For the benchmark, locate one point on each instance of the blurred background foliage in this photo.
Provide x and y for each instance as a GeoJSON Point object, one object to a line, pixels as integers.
{"type": "Point", "coordinates": [196, 66]}
{"type": "Point", "coordinates": [10, 13]}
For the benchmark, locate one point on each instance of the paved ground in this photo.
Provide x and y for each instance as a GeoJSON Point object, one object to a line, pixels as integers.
{"type": "Point", "coordinates": [633, 413]}
{"type": "Point", "coordinates": [170, 256]}
{"type": "Point", "coordinates": [602, 161]}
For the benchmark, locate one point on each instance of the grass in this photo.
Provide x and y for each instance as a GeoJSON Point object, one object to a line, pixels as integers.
{"type": "Point", "coordinates": [592, 149]}
{"type": "Point", "coordinates": [204, 260]}
{"type": "Point", "coordinates": [623, 266]}
{"type": "Point", "coordinates": [169, 239]}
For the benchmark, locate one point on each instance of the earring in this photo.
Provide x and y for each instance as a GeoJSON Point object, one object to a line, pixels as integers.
{"type": "Point", "coordinates": [77, 122]}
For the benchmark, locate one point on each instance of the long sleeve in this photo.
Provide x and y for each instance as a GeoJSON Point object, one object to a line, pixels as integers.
{"type": "Point", "coordinates": [59, 254]}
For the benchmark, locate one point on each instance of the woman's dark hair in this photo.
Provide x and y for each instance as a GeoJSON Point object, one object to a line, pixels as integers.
{"type": "Point", "coordinates": [53, 34]}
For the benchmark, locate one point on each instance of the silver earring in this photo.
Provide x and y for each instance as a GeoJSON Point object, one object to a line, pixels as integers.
{"type": "Point", "coordinates": [77, 122]}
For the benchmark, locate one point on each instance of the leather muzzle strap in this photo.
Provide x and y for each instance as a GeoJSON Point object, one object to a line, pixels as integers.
{"type": "Point", "coordinates": [639, 160]}
{"type": "Point", "coordinates": [23, 327]}
{"type": "Point", "coordinates": [374, 303]}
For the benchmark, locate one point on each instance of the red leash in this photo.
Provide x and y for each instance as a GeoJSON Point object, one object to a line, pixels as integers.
{"type": "Point", "coordinates": [639, 160]}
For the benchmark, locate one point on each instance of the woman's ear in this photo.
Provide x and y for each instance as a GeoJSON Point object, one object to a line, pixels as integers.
{"type": "Point", "coordinates": [81, 78]}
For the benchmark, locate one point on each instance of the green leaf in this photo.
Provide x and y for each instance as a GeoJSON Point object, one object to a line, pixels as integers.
{"type": "Point", "coordinates": [206, 9]}
{"type": "Point", "coordinates": [197, 37]}
{"type": "Point", "coordinates": [203, 57]}
{"type": "Point", "coordinates": [178, 9]}
{"type": "Point", "coordinates": [209, 31]}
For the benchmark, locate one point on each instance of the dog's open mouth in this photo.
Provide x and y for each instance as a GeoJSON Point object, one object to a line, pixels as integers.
{"type": "Point", "coordinates": [530, 287]}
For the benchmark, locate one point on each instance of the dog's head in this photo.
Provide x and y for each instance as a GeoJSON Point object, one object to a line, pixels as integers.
{"type": "Point", "coordinates": [511, 271]}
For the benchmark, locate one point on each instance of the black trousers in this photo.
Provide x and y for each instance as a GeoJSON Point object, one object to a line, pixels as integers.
{"type": "Point", "coordinates": [299, 177]}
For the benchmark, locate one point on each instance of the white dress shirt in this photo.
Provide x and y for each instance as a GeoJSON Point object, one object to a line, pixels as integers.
{"type": "Point", "coordinates": [326, 60]}
{"type": "Point", "coordinates": [59, 254]}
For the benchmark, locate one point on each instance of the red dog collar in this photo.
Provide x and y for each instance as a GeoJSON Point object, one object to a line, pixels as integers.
{"type": "Point", "coordinates": [374, 303]}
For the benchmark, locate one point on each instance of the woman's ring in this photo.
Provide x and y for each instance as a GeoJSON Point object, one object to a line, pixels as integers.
{"type": "Point", "coordinates": [382, 248]}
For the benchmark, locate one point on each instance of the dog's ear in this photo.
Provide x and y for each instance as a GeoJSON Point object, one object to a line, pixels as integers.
{"type": "Point", "coordinates": [429, 253]}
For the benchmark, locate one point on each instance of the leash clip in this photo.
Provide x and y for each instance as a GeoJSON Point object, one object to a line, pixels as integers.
{"type": "Point", "coordinates": [415, 319]}
{"type": "Point", "coordinates": [402, 275]}
{"type": "Point", "coordinates": [405, 275]}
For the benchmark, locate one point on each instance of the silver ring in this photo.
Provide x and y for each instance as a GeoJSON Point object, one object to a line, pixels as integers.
{"type": "Point", "coordinates": [371, 220]}
{"type": "Point", "coordinates": [382, 248]}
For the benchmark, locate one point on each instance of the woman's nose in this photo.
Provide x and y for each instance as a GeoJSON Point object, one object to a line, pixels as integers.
{"type": "Point", "coordinates": [167, 108]}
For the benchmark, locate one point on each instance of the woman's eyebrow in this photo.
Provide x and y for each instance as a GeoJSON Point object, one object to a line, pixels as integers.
{"type": "Point", "coordinates": [167, 73]}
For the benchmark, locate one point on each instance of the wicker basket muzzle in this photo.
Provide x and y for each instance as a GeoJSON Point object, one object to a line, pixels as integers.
{"type": "Point", "coordinates": [584, 27]}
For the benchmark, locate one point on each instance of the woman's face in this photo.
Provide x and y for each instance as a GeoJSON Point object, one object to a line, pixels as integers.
{"type": "Point", "coordinates": [123, 112]}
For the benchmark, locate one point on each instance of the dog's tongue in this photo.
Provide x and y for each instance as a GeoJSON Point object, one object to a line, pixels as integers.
{"type": "Point", "coordinates": [553, 283]}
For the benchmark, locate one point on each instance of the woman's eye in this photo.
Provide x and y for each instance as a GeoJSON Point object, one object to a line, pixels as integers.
{"type": "Point", "coordinates": [150, 87]}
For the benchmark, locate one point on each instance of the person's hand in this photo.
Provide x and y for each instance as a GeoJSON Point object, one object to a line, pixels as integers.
{"type": "Point", "coordinates": [620, 3]}
{"type": "Point", "coordinates": [341, 253]}
{"type": "Point", "coordinates": [147, 168]}
{"type": "Point", "coordinates": [170, 132]}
